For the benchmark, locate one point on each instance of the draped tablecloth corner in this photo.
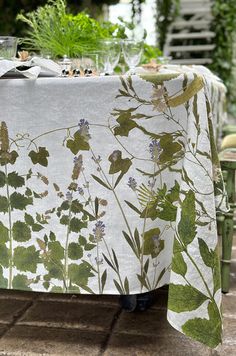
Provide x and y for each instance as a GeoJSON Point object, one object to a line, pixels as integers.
{"type": "Point", "coordinates": [109, 186]}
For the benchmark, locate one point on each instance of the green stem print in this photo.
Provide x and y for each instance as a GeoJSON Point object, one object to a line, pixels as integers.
{"type": "Point", "coordinates": [9, 234]}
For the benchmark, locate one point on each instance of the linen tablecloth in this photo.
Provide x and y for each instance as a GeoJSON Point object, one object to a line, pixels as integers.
{"type": "Point", "coordinates": [110, 185]}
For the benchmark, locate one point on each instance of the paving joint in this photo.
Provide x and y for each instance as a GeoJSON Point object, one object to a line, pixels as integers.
{"type": "Point", "coordinates": [110, 332]}
{"type": "Point", "coordinates": [19, 315]}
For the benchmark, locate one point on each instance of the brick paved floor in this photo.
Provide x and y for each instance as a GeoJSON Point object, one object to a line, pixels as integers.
{"type": "Point", "coordinates": [52, 324]}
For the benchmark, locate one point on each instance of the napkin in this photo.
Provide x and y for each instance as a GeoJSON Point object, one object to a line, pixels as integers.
{"type": "Point", "coordinates": [36, 66]}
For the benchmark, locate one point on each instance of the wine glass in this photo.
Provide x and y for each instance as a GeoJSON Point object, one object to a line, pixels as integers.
{"type": "Point", "coordinates": [109, 55]}
{"type": "Point", "coordinates": [132, 51]}
{"type": "Point", "coordinates": [8, 47]}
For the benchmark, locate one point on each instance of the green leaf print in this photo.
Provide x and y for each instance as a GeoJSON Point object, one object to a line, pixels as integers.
{"type": "Point", "coordinates": [187, 224]}
{"type": "Point", "coordinates": [40, 157]}
{"type": "Point", "coordinates": [79, 143]}
{"type": "Point", "coordinates": [19, 201]}
{"type": "Point", "coordinates": [4, 255]}
{"type": "Point", "coordinates": [3, 233]}
{"type": "Point", "coordinates": [77, 225]}
{"type": "Point", "coordinates": [79, 274]}
{"type": "Point", "coordinates": [207, 255]}
{"type": "Point", "coordinates": [37, 227]}
{"type": "Point", "coordinates": [126, 124]}
{"type": "Point", "coordinates": [206, 331]}
{"type": "Point", "coordinates": [56, 251]}
{"type": "Point", "coordinates": [103, 279]}
{"type": "Point", "coordinates": [75, 251]}
{"type": "Point", "coordinates": [3, 280]}
{"type": "Point", "coordinates": [153, 245]}
{"type": "Point", "coordinates": [21, 282]}
{"type": "Point", "coordinates": [8, 157]}
{"type": "Point", "coordinates": [29, 219]}
{"type": "Point", "coordinates": [2, 179]}
{"type": "Point", "coordinates": [14, 180]}
{"type": "Point", "coordinates": [169, 148]}
{"type": "Point", "coordinates": [184, 298]}
{"type": "Point", "coordinates": [26, 258]}
{"type": "Point", "coordinates": [3, 204]}
{"type": "Point", "coordinates": [178, 264]}
{"type": "Point", "coordinates": [21, 232]}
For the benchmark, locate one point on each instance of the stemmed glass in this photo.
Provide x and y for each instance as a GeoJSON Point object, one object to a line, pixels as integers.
{"type": "Point", "coordinates": [109, 55]}
{"type": "Point", "coordinates": [132, 51]}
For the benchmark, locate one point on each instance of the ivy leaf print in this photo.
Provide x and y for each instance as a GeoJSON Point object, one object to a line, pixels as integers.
{"type": "Point", "coordinates": [79, 143]}
{"type": "Point", "coordinates": [153, 245]}
{"type": "Point", "coordinates": [126, 124]}
{"type": "Point", "coordinates": [21, 232]}
{"type": "Point", "coordinates": [14, 180]}
{"type": "Point", "coordinates": [119, 164]}
{"type": "Point", "coordinates": [40, 157]}
{"type": "Point", "coordinates": [169, 148]}
{"type": "Point", "coordinates": [19, 201]}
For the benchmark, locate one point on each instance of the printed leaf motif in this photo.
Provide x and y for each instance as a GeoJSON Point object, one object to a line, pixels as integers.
{"type": "Point", "coordinates": [187, 224]}
{"type": "Point", "coordinates": [169, 148]}
{"type": "Point", "coordinates": [26, 259]}
{"type": "Point", "coordinates": [37, 227]}
{"type": "Point", "coordinates": [103, 279]}
{"type": "Point", "coordinates": [206, 331]}
{"type": "Point", "coordinates": [184, 298]}
{"type": "Point", "coordinates": [4, 255]}
{"type": "Point", "coordinates": [178, 264]}
{"type": "Point", "coordinates": [21, 232]}
{"type": "Point", "coordinates": [75, 251]}
{"type": "Point", "coordinates": [56, 250]}
{"type": "Point", "coordinates": [207, 255]}
{"type": "Point", "coordinates": [8, 157]}
{"type": "Point", "coordinates": [193, 88]}
{"type": "Point", "coordinates": [79, 274]}
{"type": "Point", "coordinates": [76, 225]}
{"type": "Point", "coordinates": [3, 280]}
{"type": "Point", "coordinates": [3, 204]}
{"type": "Point", "coordinates": [40, 157]}
{"type": "Point", "coordinates": [77, 144]}
{"type": "Point", "coordinates": [29, 219]}
{"type": "Point", "coordinates": [126, 124]}
{"type": "Point", "coordinates": [2, 179]}
{"type": "Point", "coordinates": [118, 164]}
{"type": "Point", "coordinates": [14, 180]}
{"type": "Point", "coordinates": [20, 282]}
{"type": "Point", "coordinates": [158, 79]}
{"type": "Point", "coordinates": [100, 181]}
{"type": "Point", "coordinates": [3, 233]}
{"type": "Point", "coordinates": [152, 244]}
{"type": "Point", "coordinates": [19, 201]}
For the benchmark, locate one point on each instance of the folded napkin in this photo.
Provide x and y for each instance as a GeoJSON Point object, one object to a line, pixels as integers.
{"type": "Point", "coordinates": [36, 66]}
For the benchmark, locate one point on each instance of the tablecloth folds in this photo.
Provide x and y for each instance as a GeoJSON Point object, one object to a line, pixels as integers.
{"type": "Point", "coordinates": [110, 185]}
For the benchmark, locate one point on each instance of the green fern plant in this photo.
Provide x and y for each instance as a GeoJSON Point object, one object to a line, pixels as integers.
{"type": "Point", "coordinates": [55, 32]}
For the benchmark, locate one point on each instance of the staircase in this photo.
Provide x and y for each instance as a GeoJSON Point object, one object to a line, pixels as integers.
{"type": "Point", "coordinates": [189, 39]}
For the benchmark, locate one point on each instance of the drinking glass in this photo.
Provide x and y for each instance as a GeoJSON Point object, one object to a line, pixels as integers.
{"type": "Point", "coordinates": [8, 47]}
{"type": "Point", "coordinates": [90, 63]}
{"type": "Point", "coordinates": [109, 55]}
{"type": "Point", "coordinates": [132, 51]}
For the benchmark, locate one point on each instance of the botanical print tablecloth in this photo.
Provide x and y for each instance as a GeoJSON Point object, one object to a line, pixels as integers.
{"type": "Point", "coordinates": [110, 185]}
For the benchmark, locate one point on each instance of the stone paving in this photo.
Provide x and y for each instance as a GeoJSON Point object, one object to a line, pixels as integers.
{"type": "Point", "coordinates": [53, 324]}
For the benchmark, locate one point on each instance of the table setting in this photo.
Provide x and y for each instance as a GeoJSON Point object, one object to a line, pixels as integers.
{"type": "Point", "coordinates": [110, 183]}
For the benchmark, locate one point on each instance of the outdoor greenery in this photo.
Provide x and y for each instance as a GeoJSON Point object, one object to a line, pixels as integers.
{"type": "Point", "coordinates": [224, 26]}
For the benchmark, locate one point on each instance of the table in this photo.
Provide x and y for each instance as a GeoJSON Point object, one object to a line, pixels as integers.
{"type": "Point", "coordinates": [110, 185]}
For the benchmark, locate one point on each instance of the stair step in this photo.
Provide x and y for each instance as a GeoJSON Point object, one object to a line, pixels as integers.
{"type": "Point", "coordinates": [190, 48]}
{"type": "Point", "coordinates": [195, 11]}
{"type": "Point", "coordinates": [192, 61]}
{"type": "Point", "coordinates": [206, 34]}
{"type": "Point", "coordinates": [182, 24]}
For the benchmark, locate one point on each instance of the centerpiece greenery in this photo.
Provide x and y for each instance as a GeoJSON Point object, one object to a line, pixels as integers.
{"type": "Point", "coordinates": [53, 31]}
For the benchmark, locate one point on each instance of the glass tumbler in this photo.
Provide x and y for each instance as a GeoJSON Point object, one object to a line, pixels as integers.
{"type": "Point", "coordinates": [8, 46]}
